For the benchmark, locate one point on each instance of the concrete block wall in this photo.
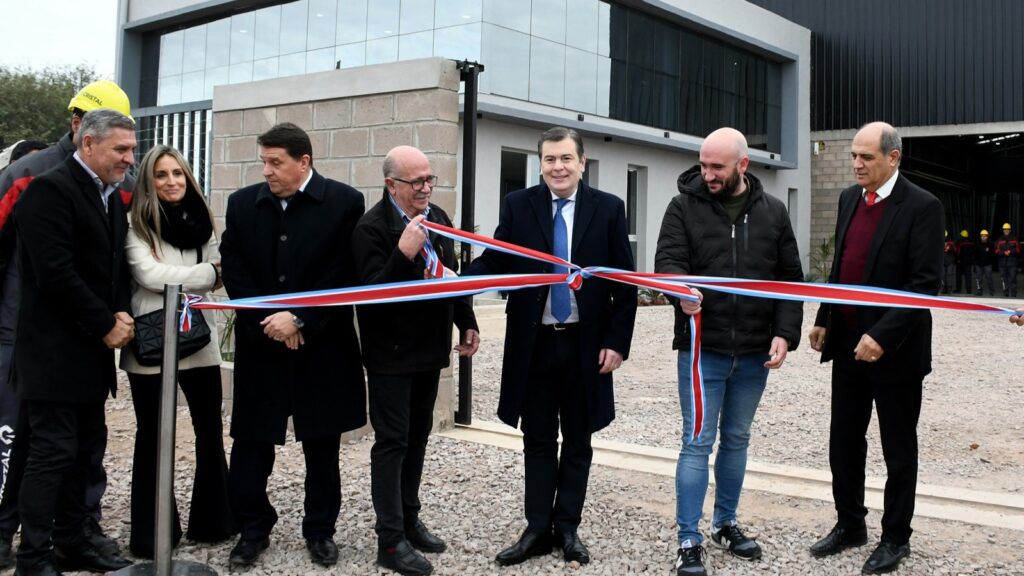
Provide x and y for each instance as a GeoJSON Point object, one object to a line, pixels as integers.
{"type": "Point", "coordinates": [354, 117]}
{"type": "Point", "coordinates": [831, 173]}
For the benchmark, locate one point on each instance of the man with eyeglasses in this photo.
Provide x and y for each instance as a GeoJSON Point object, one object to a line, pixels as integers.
{"type": "Point", "coordinates": [405, 347]}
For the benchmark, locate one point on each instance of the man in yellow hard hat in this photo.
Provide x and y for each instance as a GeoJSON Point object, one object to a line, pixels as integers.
{"type": "Point", "coordinates": [1007, 252]}
{"type": "Point", "coordinates": [99, 94]}
{"type": "Point", "coordinates": [965, 263]}
{"type": "Point", "coordinates": [984, 258]}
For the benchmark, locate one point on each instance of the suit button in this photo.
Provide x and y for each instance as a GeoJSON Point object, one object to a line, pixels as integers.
{"type": "Point", "coordinates": [539, 297]}
{"type": "Point", "coordinates": [280, 278]}
{"type": "Point", "coordinates": [284, 237]}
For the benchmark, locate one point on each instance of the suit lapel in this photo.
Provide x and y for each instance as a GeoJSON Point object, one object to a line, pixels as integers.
{"type": "Point", "coordinates": [888, 217]}
{"type": "Point", "coordinates": [585, 208]}
{"type": "Point", "coordinates": [541, 203]}
{"type": "Point", "coordinates": [92, 194]}
{"type": "Point", "coordinates": [846, 209]}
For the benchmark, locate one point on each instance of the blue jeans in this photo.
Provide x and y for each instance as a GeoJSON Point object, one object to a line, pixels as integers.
{"type": "Point", "coordinates": [732, 390]}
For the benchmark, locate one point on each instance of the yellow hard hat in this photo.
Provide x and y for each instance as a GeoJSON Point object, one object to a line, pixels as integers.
{"type": "Point", "coordinates": [1006, 226]}
{"type": "Point", "coordinates": [984, 232]}
{"type": "Point", "coordinates": [964, 234]}
{"type": "Point", "coordinates": [101, 94]}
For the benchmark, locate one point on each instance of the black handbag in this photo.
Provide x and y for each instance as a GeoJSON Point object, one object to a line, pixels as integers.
{"type": "Point", "coordinates": [148, 343]}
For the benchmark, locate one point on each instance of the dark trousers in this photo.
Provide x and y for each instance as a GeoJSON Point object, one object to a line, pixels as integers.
{"type": "Point", "coordinates": [209, 517]}
{"type": "Point", "coordinates": [251, 464]}
{"type": "Point", "coordinates": [51, 502]}
{"type": "Point", "coordinates": [898, 405]}
{"type": "Point", "coordinates": [983, 274]}
{"type": "Point", "coordinates": [1008, 272]}
{"type": "Point", "coordinates": [556, 484]}
{"type": "Point", "coordinates": [402, 413]}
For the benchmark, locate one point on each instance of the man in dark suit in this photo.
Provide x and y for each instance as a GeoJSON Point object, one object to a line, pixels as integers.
{"type": "Point", "coordinates": [561, 347]}
{"type": "Point", "coordinates": [292, 233]}
{"type": "Point", "coordinates": [71, 230]}
{"type": "Point", "coordinates": [405, 346]}
{"type": "Point", "coordinates": [889, 235]}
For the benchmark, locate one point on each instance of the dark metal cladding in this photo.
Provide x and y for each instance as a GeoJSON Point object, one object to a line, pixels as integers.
{"type": "Point", "coordinates": [912, 62]}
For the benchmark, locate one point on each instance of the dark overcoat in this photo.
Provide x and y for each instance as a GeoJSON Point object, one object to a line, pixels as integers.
{"type": "Point", "coordinates": [606, 309]}
{"type": "Point", "coordinates": [267, 250]}
{"type": "Point", "coordinates": [905, 254]}
{"type": "Point", "coordinates": [74, 278]}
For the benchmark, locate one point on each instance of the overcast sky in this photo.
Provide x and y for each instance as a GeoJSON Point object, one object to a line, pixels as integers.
{"type": "Point", "coordinates": [48, 33]}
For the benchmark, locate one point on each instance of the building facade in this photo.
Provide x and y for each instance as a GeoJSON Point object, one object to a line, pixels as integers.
{"type": "Point", "coordinates": [643, 81]}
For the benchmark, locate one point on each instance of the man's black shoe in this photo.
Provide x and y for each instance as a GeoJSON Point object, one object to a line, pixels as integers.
{"type": "Point", "coordinates": [44, 569]}
{"type": "Point", "coordinates": [572, 548]}
{"type": "Point", "coordinates": [422, 539]}
{"type": "Point", "coordinates": [837, 540]}
{"type": "Point", "coordinates": [246, 552]}
{"type": "Point", "coordinates": [6, 550]}
{"type": "Point", "coordinates": [97, 539]}
{"type": "Point", "coordinates": [404, 559]}
{"type": "Point", "coordinates": [886, 558]}
{"type": "Point", "coordinates": [323, 552]}
{"type": "Point", "coordinates": [87, 558]}
{"type": "Point", "coordinates": [530, 544]}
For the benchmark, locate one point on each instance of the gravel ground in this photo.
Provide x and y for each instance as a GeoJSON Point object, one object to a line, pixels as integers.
{"type": "Point", "coordinates": [971, 437]}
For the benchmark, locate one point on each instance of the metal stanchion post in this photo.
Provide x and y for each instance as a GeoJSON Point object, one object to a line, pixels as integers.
{"type": "Point", "coordinates": [163, 547]}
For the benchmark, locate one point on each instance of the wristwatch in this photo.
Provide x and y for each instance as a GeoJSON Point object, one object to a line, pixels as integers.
{"type": "Point", "coordinates": [298, 322]}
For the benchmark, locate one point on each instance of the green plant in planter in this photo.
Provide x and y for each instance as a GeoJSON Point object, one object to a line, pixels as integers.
{"type": "Point", "coordinates": [227, 348]}
{"type": "Point", "coordinates": [821, 260]}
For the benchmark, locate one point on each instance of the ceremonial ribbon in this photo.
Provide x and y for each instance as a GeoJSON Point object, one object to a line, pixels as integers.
{"type": "Point", "coordinates": [676, 285]}
{"type": "Point", "coordinates": [435, 268]}
{"type": "Point", "coordinates": [185, 321]}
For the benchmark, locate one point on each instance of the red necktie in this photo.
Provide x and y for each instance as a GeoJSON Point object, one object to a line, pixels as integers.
{"type": "Point", "coordinates": [871, 197]}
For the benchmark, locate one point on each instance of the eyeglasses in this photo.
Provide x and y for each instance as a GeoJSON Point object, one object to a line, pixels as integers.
{"type": "Point", "coordinates": [418, 183]}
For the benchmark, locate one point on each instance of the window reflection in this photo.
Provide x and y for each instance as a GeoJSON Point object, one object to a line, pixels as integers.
{"type": "Point", "coordinates": [170, 53]}
{"type": "Point", "coordinates": [268, 33]}
{"type": "Point", "coordinates": [547, 72]}
{"type": "Point", "coordinates": [351, 21]}
{"type": "Point", "coordinates": [322, 21]}
{"type": "Point", "coordinates": [381, 20]}
{"type": "Point", "coordinates": [459, 12]}
{"type": "Point", "coordinates": [192, 86]}
{"type": "Point", "coordinates": [581, 28]}
{"type": "Point", "coordinates": [580, 80]}
{"type": "Point", "coordinates": [319, 60]}
{"type": "Point", "coordinates": [548, 20]}
{"type": "Point", "coordinates": [264, 69]}
{"type": "Point", "coordinates": [507, 54]}
{"type": "Point", "coordinates": [195, 56]}
{"type": "Point", "coordinates": [351, 55]}
{"type": "Point", "coordinates": [514, 15]}
{"type": "Point", "coordinates": [214, 77]}
{"type": "Point", "coordinates": [218, 43]}
{"type": "Point", "coordinates": [170, 90]}
{"type": "Point", "coordinates": [242, 37]}
{"type": "Point", "coordinates": [417, 16]}
{"type": "Point", "coordinates": [291, 64]}
{"type": "Point", "coordinates": [382, 50]}
{"type": "Point", "coordinates": [418, 45]}
{"type": "Point", "coordinates": [293, 27]}
{"type": "Point", "coordinates": [458, 42]}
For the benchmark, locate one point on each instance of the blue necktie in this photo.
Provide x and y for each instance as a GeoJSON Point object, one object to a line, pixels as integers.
{"type": "Point", "coordinates": [560, 306]}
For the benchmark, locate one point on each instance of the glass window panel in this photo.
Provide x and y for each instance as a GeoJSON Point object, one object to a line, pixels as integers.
{"type": "Point", "coordinates": [507, 54]}
{"type": "Point", "coordinates": [320, 60]}
{"type": "Point", "coordinates": [581, 29]}
{"type": "Point", "coordinates": [514, 15]}
{"type": "Point", "coordinates": [458, 12]}
{"type": "Point", "coordinates": [458, 42]}
{"type": "Point", "coordinates": [418, 45]}
{"type": "Point", "coordinates": [214, 77]}
{"type": "Point", "coordinates": [547, 72]}
{"type": "Point", "coordinates": [291, 65]}
{"type": "Point", "coordinates": [293, 27]}
{"type": "Point", "coordinates": [351, 21]}
{"type": "Point", "coordinates": [322, 21]}
{"type": "Point", "coordinates": [192, 86]}
{"type": "Point", "coordinates": [240, 73]}
{"type": "Point", "coordinates": [218, 43]}
{"type": "Point", "coordinates": [604, 83]}
{"type": "Point", "coordinates": [351, 54]}
{"type": "Point", "coordinates": [548, 20]}
{"type": "Point", "coordinates": [242, 37]}
{"type": "Point", "coordinates": [267, 38]}
{"type": "Point", "coordinates": [195, 50]}
{"type": "Point", "coordinates": [417, 16]}
{"type": "Point", "coordinates": [264, 69]}
{"type": "Point", "coordinates": [171, 53]}
{"type": "Point", "coordinates": [382, 50]}
{"type": "Point", "coordinates": [169, 91]}
{"type": "Point", "coordinates": [604, 24]}
{"type": "Point", "coordinates": [580, 80]}
{"type": "Point", "coordinates": [382, 20]}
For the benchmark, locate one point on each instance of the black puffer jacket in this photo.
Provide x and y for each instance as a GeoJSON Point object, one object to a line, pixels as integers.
{"type": "Point", "coordinates": [697, 238]}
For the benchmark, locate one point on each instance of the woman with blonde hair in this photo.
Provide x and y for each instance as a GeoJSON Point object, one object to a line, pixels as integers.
{"type": "Point", "coordinates": [172, 241]}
